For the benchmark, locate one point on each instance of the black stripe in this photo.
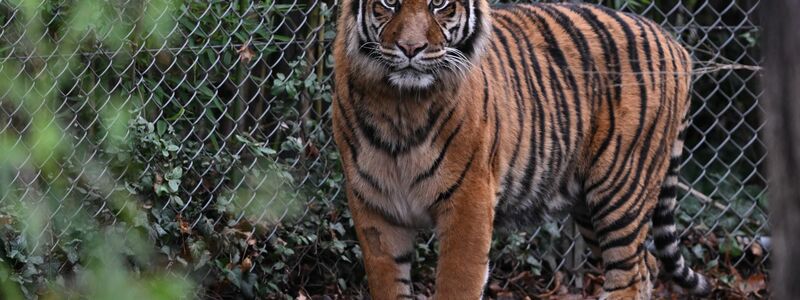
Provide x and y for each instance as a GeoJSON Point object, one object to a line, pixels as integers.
{"type": "Point", "coordinates": [687, 281]}
{"type": "Point", "coordinates": [438, 161]}
{"type": "Point", "coordinates": [496, 135]}
{"type": "Point", "coordinates": [663, 217]}
{"type": "Point", "coordinates": [592, 188]}
{"type": "Point", "coordinates": [621, 241]}
{"type": "Point", "coordinates": [670, 261]}
{"type": "Point", "coordinates": [621, 265]}
{"type": "Point", "coordinates": [663, 240]}
{"type": "Point", "coordinates": [364, 19]}
{"type": "Point", "coordinates": [349, 124]}
{"type": "Point", "coordinates": [441, 125]}
{"type": "Point", "coordinates": [485, 96]}
{"type": "Point", "coordinates": [467, 46]}
{"type": "Point", "coordinates": [405, 258]}
{"type": "Point", "coordinates": [444, 196]}
{"type": "Point", "coordinates": [628, 217]}
{"type": "Point", "coordinates": [393, 148]}
{"type": "Point", "coordinates": [354, 8]}
{"type": "Point", "coordinates": [385, 118]}
{"type": "Point", "coordinates": [389, 218]}
{"type": "Point", "coordinates": [373, 183]}
{"type": "Point", "coordinates": [404, 281]}
{"type": "Point", "coordinates": [626, 263]}
{"type": "Point", "coordinates": [634, 280]}
{"type": "Point", "coordinates": [667, 191]}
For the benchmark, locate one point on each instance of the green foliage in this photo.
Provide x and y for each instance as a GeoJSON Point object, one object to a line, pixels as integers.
{"type": "Point", "coordinates": [50, 246]}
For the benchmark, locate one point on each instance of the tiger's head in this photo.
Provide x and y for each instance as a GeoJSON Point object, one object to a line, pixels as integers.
{"type": "Point", "coordinates": [412, 44]}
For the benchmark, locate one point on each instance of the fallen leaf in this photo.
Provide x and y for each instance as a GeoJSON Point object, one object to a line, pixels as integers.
{"type": "Point", "coordinates": [183, 225]}
{"type": "Point", "coordinates": [556, 287]}
{"type": "Point", "coordinates": [245, 53]}
{"type": "Point", "coordinates": [569, 297]}
{"type": "Point", "coordinates": [495, 287]}
{"type": "Point", "coordinates": [756, 249]}
{"type": "Point", "coordinates": [753, 284]}
{"type": "Point", "coordinates": [506, 295]}
{"type": "Point", "coordinates": [311, 150]}
{"type": "Point", "coordinates": [520, 276]}
{"type": "Point", "coordinates": [247, 263]}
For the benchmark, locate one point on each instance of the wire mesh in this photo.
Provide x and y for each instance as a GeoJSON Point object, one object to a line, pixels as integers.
{"type": "Point", "coordinates": [230, 121]}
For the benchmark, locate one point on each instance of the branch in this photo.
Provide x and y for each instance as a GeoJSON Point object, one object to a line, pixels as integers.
{"type": "Point", "coordinates": [705, 199]}
{"type": "Point", "coordinates": [712, 67]}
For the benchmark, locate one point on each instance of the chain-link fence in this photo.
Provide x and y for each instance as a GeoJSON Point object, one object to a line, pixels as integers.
{"type": "Point", "coordinates": [212, 119]}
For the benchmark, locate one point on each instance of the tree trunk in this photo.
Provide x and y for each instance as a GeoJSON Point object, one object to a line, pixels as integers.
{"type": "Point", "coordinates": [782, 106]}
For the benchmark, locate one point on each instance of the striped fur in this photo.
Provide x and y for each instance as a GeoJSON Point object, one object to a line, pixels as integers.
{"type": "Point", "coordinates": [452, 115]}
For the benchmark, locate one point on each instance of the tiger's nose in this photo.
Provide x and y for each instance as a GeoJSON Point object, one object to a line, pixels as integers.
{"type": "Point", "coordinates": [411, 49]}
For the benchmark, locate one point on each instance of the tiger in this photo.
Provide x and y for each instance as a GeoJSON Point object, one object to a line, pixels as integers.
{"type": "Point", "coordinates": [461, 118]}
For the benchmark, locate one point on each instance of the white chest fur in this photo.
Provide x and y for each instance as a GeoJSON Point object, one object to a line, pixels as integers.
{"type": "Point", "coordinates": [394, 185]}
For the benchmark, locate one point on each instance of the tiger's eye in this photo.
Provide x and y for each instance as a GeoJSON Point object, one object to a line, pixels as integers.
{"type": "Point", "coordinates": [438, 3]}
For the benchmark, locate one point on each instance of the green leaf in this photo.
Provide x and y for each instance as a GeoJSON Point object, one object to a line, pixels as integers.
{"type": "Point", "coordinates": [174, 185]}
{"type": "Point", "coordinates": [161, 127]}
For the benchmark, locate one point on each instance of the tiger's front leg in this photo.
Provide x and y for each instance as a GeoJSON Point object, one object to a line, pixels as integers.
{"type": "Point", "coordinates": [388, 252]}
{"type": "Point", "coordinates": [464, 229]}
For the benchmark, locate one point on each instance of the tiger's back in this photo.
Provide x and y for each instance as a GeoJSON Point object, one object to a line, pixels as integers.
{"type": "Point", "coordinates": [538, 109]}
{"type": "Point", "coordinates": [588, 83]}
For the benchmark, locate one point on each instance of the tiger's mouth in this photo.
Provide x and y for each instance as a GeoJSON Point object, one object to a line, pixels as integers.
{"type": "Point", "coordinates": [410, 78]}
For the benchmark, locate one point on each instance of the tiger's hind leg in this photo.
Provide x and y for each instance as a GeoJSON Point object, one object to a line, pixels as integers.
{"type": "Point", "coordinates": [583, 220]}
{"type": "Point", "coordinates": [620, 206]}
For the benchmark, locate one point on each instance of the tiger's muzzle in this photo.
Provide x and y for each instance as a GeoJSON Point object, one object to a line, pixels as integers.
{"type": "Point", "coordinates": [413, 50]}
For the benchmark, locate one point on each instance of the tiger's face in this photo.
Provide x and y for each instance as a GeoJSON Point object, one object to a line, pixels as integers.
{"type": "Point", "coordinates": [412, 44]}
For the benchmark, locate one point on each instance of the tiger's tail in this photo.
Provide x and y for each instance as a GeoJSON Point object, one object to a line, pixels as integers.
{"type": "Point", "coordinates": [665, 235]}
